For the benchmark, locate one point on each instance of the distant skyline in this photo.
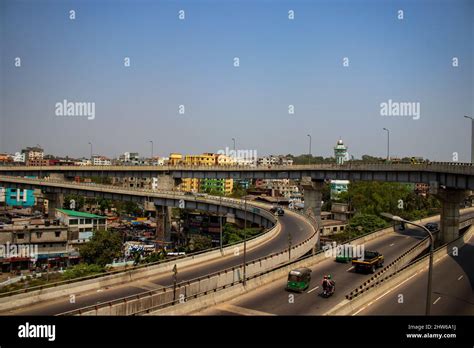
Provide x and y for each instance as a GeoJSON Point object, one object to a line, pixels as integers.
{"type": "Point", "coordinates": [283, 62]}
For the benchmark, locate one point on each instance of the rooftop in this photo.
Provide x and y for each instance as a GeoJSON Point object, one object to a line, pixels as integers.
{"type": "Point", "coordinates": [80, 214]}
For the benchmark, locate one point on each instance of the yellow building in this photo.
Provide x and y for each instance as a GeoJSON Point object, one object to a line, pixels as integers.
{"type": "Point", "coordinates": [224, 186]}
{"type": "Point", "coordinates": [175, 159]}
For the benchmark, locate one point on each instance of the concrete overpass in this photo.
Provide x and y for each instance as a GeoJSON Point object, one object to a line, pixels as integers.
{"type": "Point", "coordinates": [450, 181]}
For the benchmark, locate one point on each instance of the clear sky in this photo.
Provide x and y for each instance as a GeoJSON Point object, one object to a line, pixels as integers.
{"type": "Point", "coordinates": [190, 62]}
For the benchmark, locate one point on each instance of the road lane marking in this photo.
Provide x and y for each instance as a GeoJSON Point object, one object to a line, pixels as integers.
{"type": "Point", "coordinates": [313, 289]}
{"type": "Point", "coordinates": [350, 269]}
{"type": "Point", "coordinates": [439, 298]}
{"type": "Point", "coordinates": [460, 277]}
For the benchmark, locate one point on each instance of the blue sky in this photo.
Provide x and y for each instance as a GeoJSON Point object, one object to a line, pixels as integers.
{"type": "Point", "coordinates": [282, 62]}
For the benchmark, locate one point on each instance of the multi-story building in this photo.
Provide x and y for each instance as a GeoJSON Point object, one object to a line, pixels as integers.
{"type": "Point", "coordinates": [19, 157]}
{"type": "Point", "coordinates": [274, 160]}
{"type": "Point", "coordinates": [279, 187]}
{"type": "Point", "coordinates": [175, 159]}
{"type": "Point", "coordinates": [338, 186]}
{"type": "Point", "coordinates": [220, 186]}
{"type": "Point", "coordinates": [34, 242]}
{"type": "Point", "coordinates": [34, 152]}
{"type": "Point", "coordinates": [5, 158]}
{"type": "Point", "coordinates": [86, 224]}
{"type": "Point", "coordinates": [37, 162]}
{"type": "Point", "coordinates": [19, 198]}
{"type": "Point", "coordinates": [101, 161]}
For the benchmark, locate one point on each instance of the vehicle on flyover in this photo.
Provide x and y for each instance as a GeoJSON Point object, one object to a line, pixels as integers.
{"type": "Point", "coordinates": [369, 262]}
{"type": "Point", "coordinates": [298, 279]}
{"type": "Point", "coordinates": [432, 226]}
{"type": "Point", "coordinates": [278, 211]}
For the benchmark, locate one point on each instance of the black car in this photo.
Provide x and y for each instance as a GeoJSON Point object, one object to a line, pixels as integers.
{"type": "Point", "coordinates": [432, 226]}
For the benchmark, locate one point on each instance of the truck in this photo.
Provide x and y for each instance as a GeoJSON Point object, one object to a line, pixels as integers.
{"type": "Point", "coordinates": [369, 262]}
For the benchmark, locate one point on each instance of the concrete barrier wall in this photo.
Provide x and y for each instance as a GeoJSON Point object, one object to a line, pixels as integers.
{"type": "Point", "coordinates": [348, 307]}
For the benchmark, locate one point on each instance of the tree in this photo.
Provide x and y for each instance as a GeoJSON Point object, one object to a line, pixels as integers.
{"type": "Point", "coordinates": [102, 248]}
{"type": "Point", "coordinates": [198, 243]}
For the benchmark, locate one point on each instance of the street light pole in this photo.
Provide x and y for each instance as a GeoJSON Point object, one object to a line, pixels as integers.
{"type": "Point", "coordinates": [309, 157]}
{"type": "Point", "coordinates": [151, 158]}
{"type": "Point", "coordinates": [472, 137]}
{"type": "Point", "coordinates": [430, 267]}
{"type": "Point", "coordinates": [91, 150]}
{"type": "Point", "coordinates": [388, 143]}
{"type": "Point", "coordinates": [245, 239]}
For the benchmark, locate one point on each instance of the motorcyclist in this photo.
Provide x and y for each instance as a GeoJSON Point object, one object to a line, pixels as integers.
{"type": "Point", "coordinates": [327, 283]}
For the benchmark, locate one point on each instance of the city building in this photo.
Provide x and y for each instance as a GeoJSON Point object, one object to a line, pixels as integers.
{"type": "Point", "coordinates": [19, 157]}
{"type": "Point", "coordinates": [175, 159]}
{"type": "Point", "coordinates": [340, 152]}
{"type": "Point", "coordinates": [279, 187]}
{"type": "Point", "coordinates": [274, 160]}
{"type": "Point", "coordinates": [32, 153]}
{"type": "Point", "coordinates": [5, 158]}
{"type": "Point", "coordinates": [101, 161]}
{"type": "Point", "coordinates": [19, 198]}
{"type": "Point", "coordinates": [86, 224]}
{"type": "Point", "coordinates": [338, 186]}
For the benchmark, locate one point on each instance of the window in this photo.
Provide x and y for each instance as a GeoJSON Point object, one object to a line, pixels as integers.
{"type": "Point", "coordinates": [73, 222]}
{"type": "Point", "coordinates": [57, 234]}
{"type": "Point", "coordinates": [334, 229]}
{"type": "Point", "coordinates": [20, 235]}
{"type": "Point", "coordinates": [88, 221]}
{"type": "Point", "coordinates": [39, 234]}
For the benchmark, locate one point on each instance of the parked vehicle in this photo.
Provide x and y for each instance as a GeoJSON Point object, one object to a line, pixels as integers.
{"type": "Point", "coordinates": [369, 263]}
{"type": "Point", "coordinates": [298, 279]}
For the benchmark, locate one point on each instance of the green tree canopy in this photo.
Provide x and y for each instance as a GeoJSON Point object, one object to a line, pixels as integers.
{"type": "Point", "coordinates": [102, 248]}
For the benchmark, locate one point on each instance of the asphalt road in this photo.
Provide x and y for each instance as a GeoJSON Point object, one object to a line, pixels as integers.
{"type": "Point", "coordinates": [452, 289]}
{"type": "Point", "coordinates": [272, 299]}
{"type": "Point", "coordinates": [300, 230]}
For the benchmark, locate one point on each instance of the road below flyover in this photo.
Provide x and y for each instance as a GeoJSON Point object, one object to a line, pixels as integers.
{"type": "Point", "coordinates": [272, 299]}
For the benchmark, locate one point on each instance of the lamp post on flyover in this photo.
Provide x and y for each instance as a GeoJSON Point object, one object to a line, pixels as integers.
{"type": "Point", "coordinates": [91, 150]}
{"type": "Point", "coordinates": [430, 268]}
{"type": "Point", "coordinates": [472, 137]}
{"type": "Point", "coordinates": [388, 143]}
{"type": "Point", "coordinates": [151, 158]}
{"type": "Point", "coordinates": [309, 157]}
{"type": "Point", "coordinates": [245, 239]}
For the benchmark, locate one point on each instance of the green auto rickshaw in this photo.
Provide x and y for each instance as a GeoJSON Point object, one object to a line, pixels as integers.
{"type": "Point", "coordinates": [299, 279]}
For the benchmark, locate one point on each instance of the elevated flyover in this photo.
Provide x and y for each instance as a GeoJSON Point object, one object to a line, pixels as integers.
{"type": "Point", "coordinates": [450, 181]}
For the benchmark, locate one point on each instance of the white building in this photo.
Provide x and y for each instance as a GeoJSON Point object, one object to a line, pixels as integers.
{"type": "Point", "coordinates": [101, 161]}
{"type": "Point", "coordinates": [19, 157]}
{"type": "Point", "coordinates": [85, 223]}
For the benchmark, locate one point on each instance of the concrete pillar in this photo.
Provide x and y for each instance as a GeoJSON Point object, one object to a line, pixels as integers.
{"type": "Point", "coordinates": [312, 197]}
{"type": "Point", "coordinates": [450, 205]}
{"type": "Point", "coordinates": [55, 201]}
{"type": "Point", "coordinates": [163, 216]}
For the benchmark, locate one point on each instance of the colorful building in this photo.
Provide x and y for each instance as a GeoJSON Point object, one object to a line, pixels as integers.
{"type": "Point", "coordinates": [19, 197]}
{"type": "Point", "coordinates": [85, 223]}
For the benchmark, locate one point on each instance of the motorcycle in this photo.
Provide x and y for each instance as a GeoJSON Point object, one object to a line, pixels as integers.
{"type": "Point", "coordinates": [329, 290]}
